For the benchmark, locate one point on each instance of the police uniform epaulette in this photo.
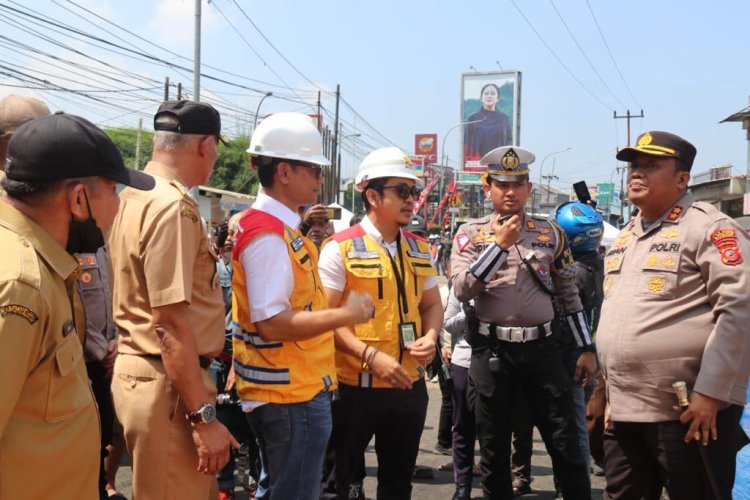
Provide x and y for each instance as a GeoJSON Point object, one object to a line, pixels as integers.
{"type": "Point", "coordinates": [27, 271]}
{"type": "Point", "coordinates": [711, 211]}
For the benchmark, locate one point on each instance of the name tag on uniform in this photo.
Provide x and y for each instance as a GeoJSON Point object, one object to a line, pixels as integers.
{"type": "Point", "coordinates": [353, 254]}
{"type": "Point", "coordinates": [408, 333]}
{"type": "Point", "coordinates": [297, 244]}
{"type": "Point", "coordinates": [418, 255]}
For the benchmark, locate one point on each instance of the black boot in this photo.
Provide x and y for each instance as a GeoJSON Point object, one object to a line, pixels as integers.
{"type": "Point", "coordinates": [463, 492]}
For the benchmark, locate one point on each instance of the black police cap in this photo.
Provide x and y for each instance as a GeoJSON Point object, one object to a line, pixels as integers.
{"type": "Point", "coordinates": [63, 146]}
{"type": "Point", "coordinates": [657, 143]}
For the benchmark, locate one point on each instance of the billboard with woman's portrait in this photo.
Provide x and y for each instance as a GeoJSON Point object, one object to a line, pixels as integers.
{"type": "Point", "coordinates": [492, 102]}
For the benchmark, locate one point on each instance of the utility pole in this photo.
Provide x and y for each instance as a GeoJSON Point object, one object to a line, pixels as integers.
{"type": "Point", "coordinates": [628, 117]}
{"type": "Point", "coordinates": [335, 170]}
{"type": "Point", "coordinates": [166, 88]}
{"type": "Point", "coordinates": [549, 178]}
{"type": "Point", "coordinates": [138, 145]}
{"type": "Point", "coordinates": [197, 53]}
{"type": "Point", "coordinates": [179, 91]}
{"type": "Point", "coordinates": [320, 120]}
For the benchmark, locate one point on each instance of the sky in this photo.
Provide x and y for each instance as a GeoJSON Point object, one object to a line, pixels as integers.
{"type": "Point", "coordinates": [399, 67]}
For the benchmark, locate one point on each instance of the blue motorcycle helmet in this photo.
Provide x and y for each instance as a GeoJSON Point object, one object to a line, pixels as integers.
{"type": "Point", "coordinates": [582, 224]}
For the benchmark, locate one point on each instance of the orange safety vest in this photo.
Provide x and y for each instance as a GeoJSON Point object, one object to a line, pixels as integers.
{"type": "Point", "coordinates": [369, 270]}
{"type": "Point", "coordinates": [280, 371]}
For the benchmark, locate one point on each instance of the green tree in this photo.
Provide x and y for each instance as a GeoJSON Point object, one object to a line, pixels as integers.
{"type": "Point", "coordinates": [231, 171]}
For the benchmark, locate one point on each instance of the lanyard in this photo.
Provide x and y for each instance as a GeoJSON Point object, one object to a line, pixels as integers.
{"type": "Point", "coordinates": [403, 304]}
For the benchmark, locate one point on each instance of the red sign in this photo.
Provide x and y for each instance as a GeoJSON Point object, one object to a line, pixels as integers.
{"type": "Point", "coordinates": [426, 145]}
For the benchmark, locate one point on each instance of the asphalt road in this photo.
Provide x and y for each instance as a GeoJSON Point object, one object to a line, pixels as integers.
{"type": "Point", "coordinates": [441, 486]}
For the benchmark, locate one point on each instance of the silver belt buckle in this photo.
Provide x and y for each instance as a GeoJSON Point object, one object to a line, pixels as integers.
{"type": "Point", "coordinates": [516, 334]}
{"type": "Point", "coordinates": [484, 328]}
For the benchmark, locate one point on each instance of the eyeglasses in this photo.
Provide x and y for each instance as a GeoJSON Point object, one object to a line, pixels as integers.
{"type": "Point", "coordinates": [404, 191]}
{"type": "Point", "coordinates": [316, 170]}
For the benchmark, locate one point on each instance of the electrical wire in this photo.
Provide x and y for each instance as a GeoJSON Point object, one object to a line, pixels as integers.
{"type": "Point", "coordinates": [583, 53]}
{"type": "Point", "coordinates": [612, 57]}
{"type": "Point", "coordinates": [559, 60]}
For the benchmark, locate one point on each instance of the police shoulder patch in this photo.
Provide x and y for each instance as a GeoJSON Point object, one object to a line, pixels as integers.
{"type": "Point", "coordinates": [189, 214]}
{"type": "Point", "coordinates": [19, 310]}
{"type": "Point", "coordinates": [462, 241]}
{"type": "Point", "coordinates": [726, 241]}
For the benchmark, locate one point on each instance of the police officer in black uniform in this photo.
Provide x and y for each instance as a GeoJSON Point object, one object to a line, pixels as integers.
{"type": "Point", "coordinates": [514, 267]}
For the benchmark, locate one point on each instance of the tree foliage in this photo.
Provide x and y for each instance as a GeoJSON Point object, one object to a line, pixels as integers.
{"type": "Point", "coordinates": [231, 171]}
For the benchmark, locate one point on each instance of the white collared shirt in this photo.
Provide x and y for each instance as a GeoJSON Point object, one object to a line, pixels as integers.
{"type": "Point", "coordinates": [269, 279]}
{"type": "Point", "coordinates": [331, 263]}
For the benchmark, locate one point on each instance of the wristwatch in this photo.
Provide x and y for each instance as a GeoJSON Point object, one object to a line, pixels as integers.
{"type": "Point", "coordinates": [203, 415]}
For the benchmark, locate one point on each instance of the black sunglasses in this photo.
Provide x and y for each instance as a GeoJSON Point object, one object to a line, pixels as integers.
{"type": "Point", "coordinates": [316, 170]}
{"type": "Point", "coordinates": [404, 191]}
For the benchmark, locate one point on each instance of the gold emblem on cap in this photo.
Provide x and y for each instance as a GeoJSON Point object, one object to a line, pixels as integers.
{"type": "Point", "coordinates": [645, 139]}
{"type": "Point", "coordinates": [510, 160]}
{"type": "Point", "coordinates": [656, 284]}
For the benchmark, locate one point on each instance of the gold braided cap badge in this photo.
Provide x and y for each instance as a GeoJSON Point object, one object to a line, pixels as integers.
{"type": "Point", "coordinates": [510, 160]}
{"type": "Point", "coordinates": [645, 139]}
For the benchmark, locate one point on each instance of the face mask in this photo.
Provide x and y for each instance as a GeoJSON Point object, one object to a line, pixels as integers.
{"type": "Point", "coordinates": [84, 236]}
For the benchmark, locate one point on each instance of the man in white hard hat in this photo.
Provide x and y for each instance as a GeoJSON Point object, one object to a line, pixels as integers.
{"type": "Point", "coordinates": [282, 327]}
{"type": "Point", "coordinates": [380, 363]}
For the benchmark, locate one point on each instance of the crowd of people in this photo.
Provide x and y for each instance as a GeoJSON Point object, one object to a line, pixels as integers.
{"type": "Point", "coordinates": [126, 324]}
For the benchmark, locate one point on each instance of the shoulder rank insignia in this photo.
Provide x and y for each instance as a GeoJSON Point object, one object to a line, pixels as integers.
{"type": "Point", "coordinates": [726, 241]}
{"type": "Point", "coordinates": [189, 214]}
{"type": "Point", "coordinates": [675, 213]}
{"type": "Point", "coordinates": [19, 310]}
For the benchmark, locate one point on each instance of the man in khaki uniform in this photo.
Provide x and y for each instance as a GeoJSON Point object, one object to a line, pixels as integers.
{"type": "Point", "coordinates": [676, 308]}
{"type": "Point", "coordinates": [61, 195]}
{"type": "Point", "coordinates": [169, 311]}
{"type": "Point", "coordinates": [512, 265]}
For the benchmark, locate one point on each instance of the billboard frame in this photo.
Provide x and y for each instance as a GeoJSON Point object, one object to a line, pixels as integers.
{"type": "Point", "coordinates": [515, 75]}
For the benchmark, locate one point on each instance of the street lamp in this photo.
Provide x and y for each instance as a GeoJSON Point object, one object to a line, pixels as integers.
{"type": "Point", "coordinates": [442, 154]}
{"type": "Point", "coordinates": [541, 169]}
{"type": "Point", "coordinates": [257, 110]}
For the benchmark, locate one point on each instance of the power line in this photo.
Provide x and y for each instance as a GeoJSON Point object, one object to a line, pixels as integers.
{"type": "Point", "coordinates": [275, 49]}
{"type": "Point", "coordinates": [554, 54]}
{"type": "Point", "coordinates": [252, 48]}
{"type": "Point", "coordinates": [583, 53]}
{"type": "Point", "coordinates": [601, 33]}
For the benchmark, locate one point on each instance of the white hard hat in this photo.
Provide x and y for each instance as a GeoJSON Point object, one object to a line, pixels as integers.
{"type": "Point", "coordinates": [289, 136]}
{"type": "Point", "coordinates": [385, 162]}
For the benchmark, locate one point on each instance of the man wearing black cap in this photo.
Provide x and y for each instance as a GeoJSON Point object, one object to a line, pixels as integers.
{"type": "Point", "coordinates": [62, 175]}
{"type": "Point", "coordinates": [677, 288]}
{"type": "Point", "coordinates": [169, 310]}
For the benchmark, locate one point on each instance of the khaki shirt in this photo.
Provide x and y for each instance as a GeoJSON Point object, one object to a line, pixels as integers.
{"type": "Point", "coordinates": [160, 256]}
{"type": "Point", "coordinates": [676, 307]}
{"type": "Point", "coordinates": [512, 296]}
{"type": "Point", "coordinates": [49, 425]}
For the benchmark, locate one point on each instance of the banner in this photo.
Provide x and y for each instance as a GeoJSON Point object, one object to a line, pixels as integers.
{"type": "Point", "coordinates": [490, 112]}
{"type": "Point", "coordinates": [418, 163]}
{"type": "Point", "coordinates": [426, 146]}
